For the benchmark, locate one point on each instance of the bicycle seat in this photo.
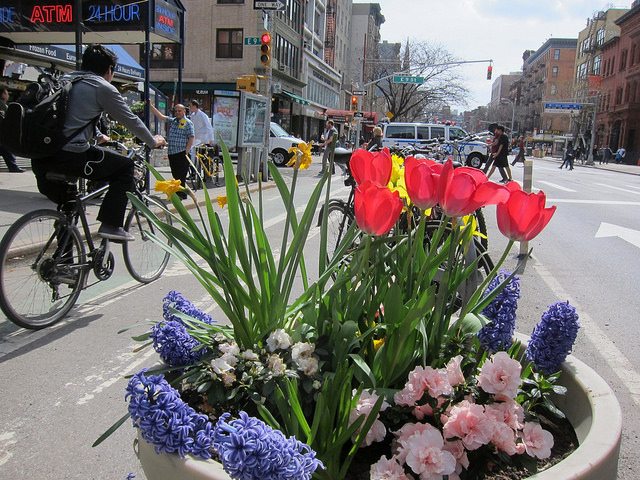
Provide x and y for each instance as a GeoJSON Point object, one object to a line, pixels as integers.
{"type": "Point", "coordinates": [61, 177]}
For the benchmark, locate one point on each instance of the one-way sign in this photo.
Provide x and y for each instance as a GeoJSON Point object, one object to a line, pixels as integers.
{"type": "Point", "coordinates": [269, 5]}
{"type": "Point", "coordinates": [359, 92]}
{"type": "Point", "coordinates": [358, 114]}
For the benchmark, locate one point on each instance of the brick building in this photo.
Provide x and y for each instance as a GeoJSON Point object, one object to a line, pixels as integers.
{"type": "Point", "coordinates": [547, 77]}
{"type": "Point", "coordinates": [618, 116]}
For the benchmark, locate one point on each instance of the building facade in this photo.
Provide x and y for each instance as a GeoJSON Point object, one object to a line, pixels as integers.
{"type": "Point", "coordinates": [548, 77]}
{"type": "Point", "coordinates": [618, 116]}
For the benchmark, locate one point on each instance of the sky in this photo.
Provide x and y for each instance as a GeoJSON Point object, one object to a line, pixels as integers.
{"type": "Point", "coordinates": [498, 30]}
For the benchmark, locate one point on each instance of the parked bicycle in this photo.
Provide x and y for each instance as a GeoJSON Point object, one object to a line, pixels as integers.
{"type": "Point", "coordinates": [46, 255]}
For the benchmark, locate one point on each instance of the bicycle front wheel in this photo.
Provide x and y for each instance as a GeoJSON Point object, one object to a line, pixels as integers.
{"type": "Point", "coordinates": [144, 258]}
{"type": "Point", "coordinates": [339, 219]}
{"type": "Point", "coordinates": [194, 181]}
{"type": "Point", "coordinates": [41, 269]}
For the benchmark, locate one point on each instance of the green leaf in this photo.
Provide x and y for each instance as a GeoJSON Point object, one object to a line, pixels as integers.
{"type": "Point", "coordinates": [110, 430]}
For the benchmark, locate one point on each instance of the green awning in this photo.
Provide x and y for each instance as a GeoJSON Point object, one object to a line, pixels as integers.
{"type": "Point", "coordinates": [296, 98]}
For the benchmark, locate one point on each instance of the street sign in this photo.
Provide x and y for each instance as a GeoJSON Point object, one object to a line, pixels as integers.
{"type": "Point", "coordinates": [407, 79]}
{"type": "Point", "coordinates": [358, 114]}
{"type": "Point", "coordinates": [359, 92]}
{"type": "Point", "coordinates": [559, 107]}
{"type": "Point", "coordinates": [270, 5]}
{"type": "Point", "coordinates": [252, 40]}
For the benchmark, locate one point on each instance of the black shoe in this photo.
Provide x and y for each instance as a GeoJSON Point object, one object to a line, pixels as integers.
{"type": "Point", "coordinates": [17, 170]}
{"type": "Point", "coordinates": [117, 234]}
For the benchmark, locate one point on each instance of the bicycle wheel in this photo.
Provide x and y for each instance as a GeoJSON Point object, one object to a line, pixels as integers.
{"type": "Point", "coordinates": [194, 181]}
{"type": "Point", "coordinates": [41, 269]}
{"type": "Point", "coordinates": [145, 260]}
{"type": "Point", "coordinates": [339, 219]}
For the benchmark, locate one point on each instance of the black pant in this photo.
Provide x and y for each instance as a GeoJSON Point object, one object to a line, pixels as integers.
{"type": "Point", "coordinates": [94, 164]}
{"type": "Point", "coordinates": [9, 159]}
{"type": "Point", "coordinates": [179, 166]}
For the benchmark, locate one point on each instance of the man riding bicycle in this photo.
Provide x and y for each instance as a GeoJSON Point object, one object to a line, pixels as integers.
{"type": "Point", "coordinates": [89, 99]}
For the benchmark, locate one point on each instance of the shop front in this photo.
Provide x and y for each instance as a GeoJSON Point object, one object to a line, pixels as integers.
{"type": "Point", "coordinates": [346, 122]}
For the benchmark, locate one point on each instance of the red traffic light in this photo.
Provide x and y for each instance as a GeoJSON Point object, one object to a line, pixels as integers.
{"type": "Point", "coordinates": [265, 49]}
{"type": "Point", "coordinates": [489, 72]}
{"type": "Point", "coordinates": [266, 38]}
{"type": "Point", "coordinates": [354, 103]}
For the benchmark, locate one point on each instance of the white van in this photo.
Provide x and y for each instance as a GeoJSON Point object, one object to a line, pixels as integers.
{"type": "Point", "coordinates": [279, 144]}
{"type": "Point", "coordinates": [414, 134]}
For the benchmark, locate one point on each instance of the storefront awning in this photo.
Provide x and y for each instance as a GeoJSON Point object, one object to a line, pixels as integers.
{"type": "Point", "coordinates": [65, 55]}
{"type": "Point", "coordinates": [347, 116]}
{"type": "Point", "coordinates": [296, 98]}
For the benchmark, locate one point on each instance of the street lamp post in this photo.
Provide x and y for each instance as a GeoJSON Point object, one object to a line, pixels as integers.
{"type": "Point", "coordinates": [513, 110]}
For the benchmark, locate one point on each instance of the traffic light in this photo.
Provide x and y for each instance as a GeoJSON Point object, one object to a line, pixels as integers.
{"type": "Point", "coordinates": [354, 104]}
{"type": "Point", "coordinates": [248, 83]}
{"type": "Point", "coordinates": [489, 72]}
{"type": "Point", "coordinates": [265, 49]}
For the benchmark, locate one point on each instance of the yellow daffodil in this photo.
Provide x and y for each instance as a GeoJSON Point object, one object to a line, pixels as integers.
{"type": "Point", "coordinates": [377, 344]}
{"type": "Point", "coordinates": [222, 201]}
{"type": "Point", "coordinates": [302, 157]}
{"type": "Point", "coordinates": [168, 187]}
{"type": "Point", "coordinates": [397, 168]}
{"type": "Point", "coordinates": [474, 225]}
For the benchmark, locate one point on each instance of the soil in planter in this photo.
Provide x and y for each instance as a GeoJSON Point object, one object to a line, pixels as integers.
{"type": "Point", "coordinates": [565, 442]}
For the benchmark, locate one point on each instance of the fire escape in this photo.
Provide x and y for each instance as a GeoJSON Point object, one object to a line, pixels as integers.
{"type": "Point", "coordinates": [330, 34]}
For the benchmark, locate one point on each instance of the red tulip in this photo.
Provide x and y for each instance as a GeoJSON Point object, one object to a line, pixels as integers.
{"type": "Point", "coordinates": [376, 207]}
{"type": "Point", "coordinates": [371, 166]}
{"type": "Point", "coordinates": [523, 216]}
{"type": "Point", "coordinates": [464, 190]}
{"type": "Point", "coordinates": [421, 177]}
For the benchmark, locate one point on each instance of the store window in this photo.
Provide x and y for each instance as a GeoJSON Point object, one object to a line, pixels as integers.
{"type": "Point", "coordinates": [163, 55]}
{"type": "Point", "coordinates": [229, 43]}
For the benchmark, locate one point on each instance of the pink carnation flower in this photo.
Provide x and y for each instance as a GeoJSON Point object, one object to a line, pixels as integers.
{"type": "Point", "coordinates": [366, 402]}
{"type": "Point", "coordinates": [454, 372]}
{"type": "Point", "coordinates": [468, 422]}
{"type": "Point", "coordinates": [509, 412]}
{"type": "Point", "coordinates": [500, 375]}
{"type": "Point", "coordinates": [426, 456]}
{"type": "Point", "coordinates": [404, 435]}
{"type": "Point", "coordinates": [504, 438]}
{"type": "Point", "coordinates": [385, 469]}
{"type": "Point", "coordinates": [435, 382]}
{"type": "Point", "coordinates": [538, 442]}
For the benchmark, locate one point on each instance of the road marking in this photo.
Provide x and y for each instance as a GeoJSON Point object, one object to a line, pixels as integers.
{"type": "Point", "coordinates": [633, 186]}
{"type": "Point", "coordinates": [555, 185]}
{"type": "Point", "coordinates": [626, 234]}
{"type": "Point", "coordinates": [6, 439]}
{"type": "Point", "coordinates": [617, 188]}
{"type": "Point", "coordinates": [619, 364]}
{"type": "Point", "coordinates": [590, 202]}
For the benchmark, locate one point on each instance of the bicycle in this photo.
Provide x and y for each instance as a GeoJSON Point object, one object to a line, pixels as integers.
{"type": "Point", "coordinates": [44, 264]}
{"type": "Point", "coordinates": [209, 162]}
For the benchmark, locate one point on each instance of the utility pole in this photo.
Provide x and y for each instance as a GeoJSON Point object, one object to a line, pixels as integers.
{"type": "Point", "coordinates": [590, 159]}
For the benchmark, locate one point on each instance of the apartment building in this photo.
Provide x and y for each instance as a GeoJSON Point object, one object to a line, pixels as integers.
{"type": "Point", "coordinates": [548, 77]}
{"type": "Point", "coordinates": [618, 116]}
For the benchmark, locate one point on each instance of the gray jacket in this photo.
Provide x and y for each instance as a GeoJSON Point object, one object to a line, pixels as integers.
{"type": "Point", "coordinates": [91, 97]}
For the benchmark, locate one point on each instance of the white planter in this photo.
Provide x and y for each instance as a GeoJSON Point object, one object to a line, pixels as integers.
{"type": "Point", "coordinates": [590, 406]}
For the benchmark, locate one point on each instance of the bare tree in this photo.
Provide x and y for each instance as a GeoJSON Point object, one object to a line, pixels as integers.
{"type": "Point", "coordinates": [442, 84]}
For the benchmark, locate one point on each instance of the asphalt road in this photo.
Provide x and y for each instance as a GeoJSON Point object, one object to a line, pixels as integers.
{"type": "Point", "coordinates": [63, 386]}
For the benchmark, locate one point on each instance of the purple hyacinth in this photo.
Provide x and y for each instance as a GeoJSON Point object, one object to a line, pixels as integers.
{"type": "Point", "coordinates": [497, 335]}
{"type": "Point", "coordinates": [165, 420]}
{"type": "Point", "coordinates": [175, 345]}
{"type": "Point", "coordinates": [178, 302]}
{"type": "Point", "coordinates": [553, 337]}
{"type": "Point", "coordinates": [251, 450]}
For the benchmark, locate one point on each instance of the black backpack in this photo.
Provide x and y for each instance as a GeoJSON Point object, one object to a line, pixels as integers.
{"type": "Point", "coordinates": [32, 126]}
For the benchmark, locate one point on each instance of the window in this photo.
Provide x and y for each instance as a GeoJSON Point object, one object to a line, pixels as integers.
{"type": "Point", "coordinates": [456, 133]}
{"type": "Point", "coordinates": [437, 132]}
{"type": "Point", "coordinates": [423, 133]}
{"type": "Point", "coordinates": [163, 55]}
{"type": "Point", "coordinates": [229, 43]}
{"type": "Point", "coordinates": [597, 65]}
{"type": "Point", "coordinates": [556, 54]}
{"type": "Point", "coordinates": [600, 36]}
{"type": "Point", "coordinates": [623, 60]}
{"type": "Point", "coordinates": [554, 72]}
{"type": "Point", "coordinates": [553, 89]}
{"type": "Point", "coordinates": [400, 131]}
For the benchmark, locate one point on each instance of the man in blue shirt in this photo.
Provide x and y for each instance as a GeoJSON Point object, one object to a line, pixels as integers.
{"type": "Point", "coordinates": [180, 141]}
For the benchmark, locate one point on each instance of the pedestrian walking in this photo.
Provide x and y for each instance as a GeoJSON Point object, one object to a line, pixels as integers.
{"type": "Point", "coordinates": [520, 155]}
{"type": "Point", "coordinates": [500, 147]}
{"type": "Point", "coordinates": [9, 158]}
{"type": "Point", "coordinates": [328, 140]}
{"type": "Point", "coordinates": [569, 155]}
{"type": "Point", "coordinates": [607, 153]}
{"type": "Point", "coordinates": [620, 154]}
{"type": "Point", "coordinates": [180, 141]}
{"type": "Point", "coordinates": [203, 130]}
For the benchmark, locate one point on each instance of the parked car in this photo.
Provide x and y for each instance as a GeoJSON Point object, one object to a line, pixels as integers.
{"type": "Point", "coordinates": [280, 141]}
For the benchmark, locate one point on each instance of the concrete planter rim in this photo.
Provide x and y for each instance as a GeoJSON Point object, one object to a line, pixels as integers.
{"type": "Point", "coordinates": [590, 405]}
